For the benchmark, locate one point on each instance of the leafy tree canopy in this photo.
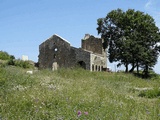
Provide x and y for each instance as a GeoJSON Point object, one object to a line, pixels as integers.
{"type": "Point", "coordinates": [131, 38]}
{"type": "Point", "coordinates": [5, 56]}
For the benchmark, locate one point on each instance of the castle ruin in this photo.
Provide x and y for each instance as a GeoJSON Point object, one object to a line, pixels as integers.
{"type": "Point", "coordinates": [56, 52]}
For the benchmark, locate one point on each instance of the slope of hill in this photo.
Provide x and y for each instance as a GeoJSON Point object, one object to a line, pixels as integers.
{"type": "Point", "coordinates": [75, 94]}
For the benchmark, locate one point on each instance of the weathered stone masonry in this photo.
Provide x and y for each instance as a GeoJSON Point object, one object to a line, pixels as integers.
{"type": "Point", "coordinates": [56, 53]}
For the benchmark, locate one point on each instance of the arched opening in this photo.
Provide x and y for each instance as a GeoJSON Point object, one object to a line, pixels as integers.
{"type": "Point", "coordinates": [96, 68]}
{"type": "Point", "coordinates": [99, 69]}
{"type": "Point", "coordinates": [82, 64]}
{"type": "Point", "coordinates": [92, 67]}
{"type": "Point", "coordinates": [54, 56]}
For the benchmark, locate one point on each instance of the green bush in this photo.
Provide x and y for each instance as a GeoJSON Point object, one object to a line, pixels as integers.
{"type": "Point", "coordinates": [21, 63]}
{"type": "Point", "coordinates": [5, 56]}
{"type": "Point", "coordinates": [154, 93]}
{"type": "Point", "coordinates": [10, 62]}
{"type": "Point", "coordinates": [6, 59]}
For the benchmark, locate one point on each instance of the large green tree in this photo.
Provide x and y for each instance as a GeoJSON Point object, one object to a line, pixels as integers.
{"type": "Point", "coordinates": [131, 38]}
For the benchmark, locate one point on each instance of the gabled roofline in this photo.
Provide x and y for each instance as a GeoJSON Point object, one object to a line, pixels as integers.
{"type": "Point", "coordinates": [56, 36]}
{"type": "Point", "coordinates": [61, 38]}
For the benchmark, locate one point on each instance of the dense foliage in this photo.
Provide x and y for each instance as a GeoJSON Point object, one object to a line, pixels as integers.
{"type": "Point", "coordinates": [5, 56]}
{"type": "Point", "coordinates": [132, 39]}
{"type": "Point", "coordinates": [21, 63]}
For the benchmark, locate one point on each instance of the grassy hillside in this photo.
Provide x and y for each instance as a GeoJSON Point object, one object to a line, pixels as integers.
{"type": "Point", "coordinates": [72, 94]}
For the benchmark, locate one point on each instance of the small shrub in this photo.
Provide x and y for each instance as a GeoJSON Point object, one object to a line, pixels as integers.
{"type": "Point", "coordinates": [154, 93]}
{"type": "Point", "coordinates": [6, 56]}
{"type": "Point", "coordinates": [154, 76]}
{"type": "Point", "coordinates": [11, 62]}
{"type": "Point", "coordinates": [6, 59]}
{"type": "Point", "coordinates": [23, 64]}
{"type": "Point", "coordinates": [19, 63]}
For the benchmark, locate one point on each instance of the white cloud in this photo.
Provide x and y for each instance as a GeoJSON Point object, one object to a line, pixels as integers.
{"type": "Point", "coordinates": [153, 9]}
{"type": "Point", "coordinates": [148, 4]}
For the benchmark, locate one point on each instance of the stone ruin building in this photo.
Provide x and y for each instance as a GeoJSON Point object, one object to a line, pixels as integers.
{"type": "Point", "coordinates": [56, 52]}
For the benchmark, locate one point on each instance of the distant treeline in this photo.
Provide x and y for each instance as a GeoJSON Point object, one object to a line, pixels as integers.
{"type": "Point", "coordinates": [7, 59]}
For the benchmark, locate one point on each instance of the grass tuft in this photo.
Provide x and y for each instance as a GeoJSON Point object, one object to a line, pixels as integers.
{"type": "Point", "coordinates": [153, 93]}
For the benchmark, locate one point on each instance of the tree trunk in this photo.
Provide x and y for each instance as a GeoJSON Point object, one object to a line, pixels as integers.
{"type": "Point", "coordinates": [132, 69]}
{"type": "Point", "coordinates": [126, 68]}
{"type": "Point", "coordinates": [146, 73]}
{"type": "Point", "coordinates": [137, 67]}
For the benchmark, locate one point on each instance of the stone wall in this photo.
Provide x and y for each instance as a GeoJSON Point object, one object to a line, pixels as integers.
{"type": "Point", "coordinates": [82, 58]}
{"type": "Point", "coordinates": [98, 62]}
{"type": "Point", "coordinates": [92, 44]}
{"type": "Point", "coordinates": [56, 53]}
{"type": "Point", "coordinates": [55, 49]}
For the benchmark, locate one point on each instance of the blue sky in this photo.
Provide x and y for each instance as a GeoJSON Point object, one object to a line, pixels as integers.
{"type": "Point", "coordinates": [25, 24]}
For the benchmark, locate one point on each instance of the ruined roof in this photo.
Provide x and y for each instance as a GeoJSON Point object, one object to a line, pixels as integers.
{"type": "Point", "coordinates": [55, 35]}
{"type": "Point", "coordinates": [87, 36]}
{"type": "Point", "coordinates": [61, 38]}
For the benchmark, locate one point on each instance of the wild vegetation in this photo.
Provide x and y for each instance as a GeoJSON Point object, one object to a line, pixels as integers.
{"type": "Point", "coordinates": [7, 59]}
{"type": "Point", "coordinates": [75, 94]}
